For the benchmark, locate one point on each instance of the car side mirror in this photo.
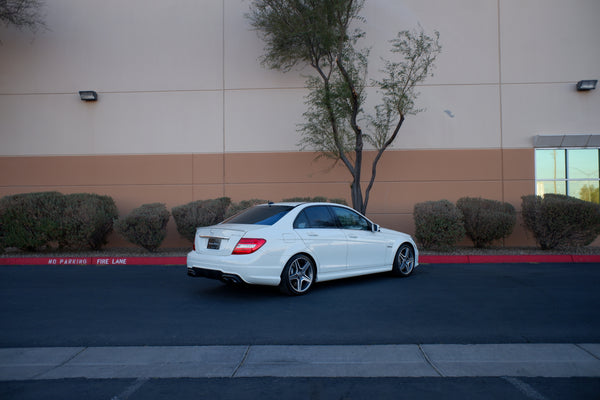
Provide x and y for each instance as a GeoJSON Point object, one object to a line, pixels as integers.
{"type": "Point", "coordinates": [374, 228]}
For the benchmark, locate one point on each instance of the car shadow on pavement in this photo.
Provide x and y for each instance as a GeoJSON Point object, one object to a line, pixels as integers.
{"type": "Point", "coordinates": [245, 291]}
{"type": "Point", "coordinates": [239, 290]}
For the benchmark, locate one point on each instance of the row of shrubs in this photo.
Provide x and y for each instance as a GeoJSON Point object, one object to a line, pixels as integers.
{"type": "Point", "coordinates": [554, 220]}
{"type": "Point", "coordinates": [37, 221]}
{"type": "Point", "coordinates": [146, 226]}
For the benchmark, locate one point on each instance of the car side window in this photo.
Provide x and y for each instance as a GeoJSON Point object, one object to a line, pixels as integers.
{"type": "Point", "coordinates": [301, 221]}
{"type": "Point", "coordinates": [315, 217]}
{"type": "Point", "coordinates": [348, 219]}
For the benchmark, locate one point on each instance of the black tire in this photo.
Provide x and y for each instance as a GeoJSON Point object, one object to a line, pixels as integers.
{"type": "Point", "coordinates": [298, 275]}
{"type": "Point", "coordinates": [404, 262]}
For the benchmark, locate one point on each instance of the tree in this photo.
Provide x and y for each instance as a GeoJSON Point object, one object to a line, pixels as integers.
{"type": "Point", "coordinates": [590, 193]}
{"type": "Point", "coordinates": [323, 35]}
{"type": "Point", "coordinates": [22, 14]}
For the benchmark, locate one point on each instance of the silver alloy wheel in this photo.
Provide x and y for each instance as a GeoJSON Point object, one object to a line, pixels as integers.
{"type": "Point", "coordinates": [301, 274]}
{"type": "Point", "coordinates": [405, 260]}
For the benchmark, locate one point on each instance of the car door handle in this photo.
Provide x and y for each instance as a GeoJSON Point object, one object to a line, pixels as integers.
{"type": "Point", "coordinates": [353, 236]}
{"type": "Point", "coordinates": [312, 234]}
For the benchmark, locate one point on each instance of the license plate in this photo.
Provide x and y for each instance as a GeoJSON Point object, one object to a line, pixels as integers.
{"type": "Point", "coordinates": [214, 244]}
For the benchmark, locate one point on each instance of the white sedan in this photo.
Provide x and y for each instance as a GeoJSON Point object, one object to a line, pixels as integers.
{"type": "Point", "coordinates": [294, 245]}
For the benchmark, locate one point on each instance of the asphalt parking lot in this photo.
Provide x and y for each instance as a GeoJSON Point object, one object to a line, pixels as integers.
{"type": "Point", "coordinates": [527, 329]}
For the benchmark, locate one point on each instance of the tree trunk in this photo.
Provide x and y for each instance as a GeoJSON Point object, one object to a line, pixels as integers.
{"type": "Point", "coordinates": [357, 196]}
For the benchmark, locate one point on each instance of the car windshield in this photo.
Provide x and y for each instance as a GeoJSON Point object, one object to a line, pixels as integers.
{"type": "Point", "coordinates": [260, 215]}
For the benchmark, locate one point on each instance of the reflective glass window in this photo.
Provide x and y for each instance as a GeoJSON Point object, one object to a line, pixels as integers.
{"type": "Point", "coordinates": [584, 190]}
{"type": "Point", "coordinates": [556, 187]}
{"type": "Point", "coordinates": [582, 164]}
{"type": "Point", "coordinates": [573, 172]}
{"type": "Point", "coordinates": [550, 164]}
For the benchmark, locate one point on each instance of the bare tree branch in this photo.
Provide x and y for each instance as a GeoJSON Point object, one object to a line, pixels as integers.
{"type": "Point", "coordinates": [23, 14]}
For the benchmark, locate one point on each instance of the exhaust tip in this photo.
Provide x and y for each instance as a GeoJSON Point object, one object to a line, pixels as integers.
{"type": "Point", "coordinates": [228, 278]}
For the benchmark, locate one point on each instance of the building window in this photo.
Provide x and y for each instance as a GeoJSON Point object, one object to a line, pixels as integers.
{"type": "Point", "coordinates": [574, 172]}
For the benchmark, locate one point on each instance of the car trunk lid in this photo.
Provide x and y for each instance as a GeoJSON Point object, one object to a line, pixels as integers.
{"type": "Point", "coordinates": [220, 240]}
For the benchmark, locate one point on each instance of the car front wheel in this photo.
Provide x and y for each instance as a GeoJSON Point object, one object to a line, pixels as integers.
{"type": "Point", "coordinates": [404, 263]}
{"type": "Point", "coordinates": [298, 275]}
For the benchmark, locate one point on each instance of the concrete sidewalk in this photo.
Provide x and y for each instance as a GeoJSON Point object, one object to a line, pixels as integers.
{"type": "Point", "coordinates": [433, 360]}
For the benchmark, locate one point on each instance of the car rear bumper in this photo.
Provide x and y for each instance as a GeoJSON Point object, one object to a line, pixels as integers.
{"type": "Point", "coordinates": [214, 274]}
{"type": "Point", "coordinates": [246, 268]}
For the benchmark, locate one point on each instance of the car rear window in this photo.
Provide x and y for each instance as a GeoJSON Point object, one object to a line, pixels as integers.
{"type": "Point", "coordinates": [260, 215]}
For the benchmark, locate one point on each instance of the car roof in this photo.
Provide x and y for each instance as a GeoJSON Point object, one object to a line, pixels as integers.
{"type": "Point", "coordinates": [296, 204]}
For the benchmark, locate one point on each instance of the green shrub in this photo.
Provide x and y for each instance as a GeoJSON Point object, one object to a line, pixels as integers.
{"type": "Point", "coordinates": [438, 224]}
{"type": "Point", "coordinates": [87, 220]}
{"type": "Point", "coordinates": [31, 221]}
{"type": "Point", "coordinates": [236, 208]}
{"type": "Point", "coordinates": [486, 220]}
{"type": "Point", "coordinates": [199, 213]}
{"type": "Point", "coordinates": [561, 221]}
{"type": "Point", "coordinates": [145, 226]}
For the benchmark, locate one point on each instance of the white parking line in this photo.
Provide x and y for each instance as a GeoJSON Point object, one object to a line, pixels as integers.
{"type": "Point", "coordinates": [131, 389]}
{"type": "Point", "coordinates": [524, 388]}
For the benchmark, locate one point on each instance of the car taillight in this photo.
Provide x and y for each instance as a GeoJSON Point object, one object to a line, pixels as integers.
{"type": "Point", "coordinates": [248, 246]}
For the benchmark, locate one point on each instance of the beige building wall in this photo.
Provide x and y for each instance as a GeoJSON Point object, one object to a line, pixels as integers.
{"type": "Point", "coordinates": [187, 112]}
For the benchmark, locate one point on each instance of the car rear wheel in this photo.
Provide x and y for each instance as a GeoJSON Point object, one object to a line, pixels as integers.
{"type": "Point", "coordinates": [298, 275]}
{"type": "Point", "coordinates": [404, 263]}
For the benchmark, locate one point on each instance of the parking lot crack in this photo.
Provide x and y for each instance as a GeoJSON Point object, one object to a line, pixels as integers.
{"type": "Point", "coordinates": [68, 360]}
{"type": "Point", "coordinates": [431, 363]}
{"type": "Point", "coordinates": [587, 351]}
{"type": "Point", "coordinates": [243, 360]}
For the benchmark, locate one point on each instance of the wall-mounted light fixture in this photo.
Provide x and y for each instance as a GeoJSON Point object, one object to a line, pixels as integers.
{"type": "Point", "coordinates": [88, 95]}
{"type": "Point", "coordinates": [589, 84]}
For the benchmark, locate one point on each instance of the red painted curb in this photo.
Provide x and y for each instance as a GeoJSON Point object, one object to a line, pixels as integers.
{"type": "Point", "coordinates": [525, 258]}
{"type": "Point", "coordinates": [509, 259]}
{"type": "Point", "coordinates": [181, 260]}
{"type": "Point", "coordinates": [93, 261]}
{"type": "Point", "coordinates": [45, 261]}
{"type": "Point", "coordinates": [139, 261]}
{"type": "Point", "coordinates": [586, 259]}
{"type": "Point", "coordinates": [444, 259]}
